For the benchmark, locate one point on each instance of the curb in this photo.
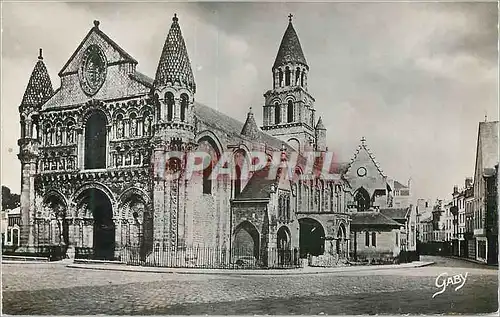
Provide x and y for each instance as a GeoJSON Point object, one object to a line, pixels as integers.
{"type": "Point", "coordinates": [301, 271]}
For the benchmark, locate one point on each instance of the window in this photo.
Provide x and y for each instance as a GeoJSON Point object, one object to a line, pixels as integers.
{"type": "Point", "coordinates": [397, 239]}
{"type": "Point", "coordinates": [184, 106]}
{"type": "Point", "coordinates": [287, 76]}
{"type": "Point", "coordinates": [302, 79]}
{"type": "Point", "coordinates": [207, 181]}
{"type": "Point", "coordinates": [95, 141]}
{"type": "Point", "coordinates": [297, 76]}
{"type": "Point", "coordinates": [280, 74]}
{"type": "Point", "coordinates": [277, 113]}
{"type": "Point", "coordinates": [169, 98]}
{"type": "Point", "coordinates": [374, 239]}
{"type": "Point", "coordinates": [367, 239]}
{"type": "Point", "coordinates": [289, 112]}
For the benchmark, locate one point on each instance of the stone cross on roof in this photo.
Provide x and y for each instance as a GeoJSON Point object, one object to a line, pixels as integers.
{"type": "Point", "coordinates": [290, 16]}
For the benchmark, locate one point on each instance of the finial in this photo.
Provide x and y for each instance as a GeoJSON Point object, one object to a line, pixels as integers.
{"type": "Point", "coordinates": [485, 117]}
{"type": "Point", "coordinates": [40, 56]}
{"type": "Point", "coordinates": [250, 110]}
{"type": "Point", "coordinates": [96, 24]}
{"type": "Point", "coordinates": [175, 19]}
{"type": "Point", "coordinates": [363, 140]}
{"type": "Point", "coordinates": [290, 16]}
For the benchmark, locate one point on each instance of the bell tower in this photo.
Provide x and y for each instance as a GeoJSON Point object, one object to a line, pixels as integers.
{"type": "Point", "coordinates": [289, 108]}
{"type": "Point", "coordinates": [38, 91]}
{"type": "Point", "coordinates": [174, 89]}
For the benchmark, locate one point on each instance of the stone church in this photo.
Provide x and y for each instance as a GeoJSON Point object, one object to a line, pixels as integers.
{"type": "Point", "coordinates": [95, 153]}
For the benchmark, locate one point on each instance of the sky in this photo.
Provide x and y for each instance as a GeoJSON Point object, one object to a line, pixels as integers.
{"type": "Point", "coordinates": [415, 79]}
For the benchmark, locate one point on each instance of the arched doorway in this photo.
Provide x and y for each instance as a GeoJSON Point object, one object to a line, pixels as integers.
{"type": "Point", "coordinates": [55, 208]}
{"type": "Point", "coordinates": [246, 241]}
{"type": "Point", "coordinates": [284, 246]}
{"type": "Point", "coordinates": [312, 237]}
{"type": "Point", "coordinates": [99, 206]}
{"type": "Point", "coordinates": [341, 241]}
{"type": "Point", "coordinates": [95, 141]}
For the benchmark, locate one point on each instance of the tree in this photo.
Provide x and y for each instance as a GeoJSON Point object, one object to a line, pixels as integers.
{"type": "Point", "coordinates": [9, 199]}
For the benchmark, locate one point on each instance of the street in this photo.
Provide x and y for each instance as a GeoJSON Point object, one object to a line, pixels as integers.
{"type": "Point", "coordinates": [52, 288]}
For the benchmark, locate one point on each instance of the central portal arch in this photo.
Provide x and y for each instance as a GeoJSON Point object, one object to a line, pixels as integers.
{"type": "Point", "coordinates": [99, 206]}
{"type": "Point", "coordinates": [246, 240]}
{"type": "Point", "coordinates": [312, 237]}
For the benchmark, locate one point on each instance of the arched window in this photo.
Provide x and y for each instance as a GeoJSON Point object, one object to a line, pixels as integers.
{"type": "Point", "coordinates": [362, 199]}
{"type": "Point", "coordinates": [302, 78]}
{"type": "Point", "coordinates": [237, 181]}
{"type": "Point", "coordinates": [277, 113]}
{"type": "Point", "coordinates": [169, 99]}
{"type": "Point", "coordinates": [95, 141]}
{"type": "Point", "coordinates": [70, 132]}
{"type": "Point", "coordinates": [207, 181]}
{"type": "Point", "coordinates": [23, 128]}
{"type": "Point", "coordinates": [146, 123]}
{"type": "Point", "coordinates": [184, 106]}
{"type": "Point", "coordinates": [289, 112]}
{"type": "Point", "coordinates": [374, 239]}
{"type": "Point", "coordinates": [297, 77]}
{"type": "Point", "coordinates": [367, 239]}
{"type": "Point", "coordinates": [280, 76]}
{"type": "Point", "coordinates": [120, 127]}
{"type": "Point", "coordinates": [133, 125]}
{"type": "Point", "coordinates": [287, 76]}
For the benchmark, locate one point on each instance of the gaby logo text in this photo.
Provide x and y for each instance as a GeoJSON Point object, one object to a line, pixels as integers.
{"type": "Point", "coordinates": [443, 281]}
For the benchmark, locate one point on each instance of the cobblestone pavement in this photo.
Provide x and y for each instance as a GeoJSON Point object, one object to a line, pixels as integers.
{"type": "Point", "coordinates": [55, 289]}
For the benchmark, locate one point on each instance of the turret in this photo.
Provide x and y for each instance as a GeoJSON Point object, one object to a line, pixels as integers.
{"type": "Point", "coordinates": [38, 91]}
{"type": "Point", "coordinates": [174, 87]}
{"type": "Point", "coordinates": [320, 131]}
{"type": "Point", "coordinates": [289, 108]}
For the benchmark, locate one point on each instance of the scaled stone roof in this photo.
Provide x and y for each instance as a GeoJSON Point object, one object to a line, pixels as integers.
{"type": "Point", "coordinates": [258, 186]}
{"type": "Point", "coordinates": [488, 135]}
{"type": "Point", "coordinates": [250, 128]}
{"type": "Point", "coordinates": [174, 66]}
{"type": "Point", "coordinates": [320, 125]}
{"type": "Point", "coordinates": [39, 87]}
{"type": "Point", "coordinates": [372, 218]}
{"type": "Point", "coordinates": [398, 185]}
{"type": "Point", "coordinates": [290, 50]}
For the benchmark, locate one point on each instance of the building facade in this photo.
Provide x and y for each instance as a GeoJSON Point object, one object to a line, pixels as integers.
{"type": "Point", "coordinates": [105, 162]}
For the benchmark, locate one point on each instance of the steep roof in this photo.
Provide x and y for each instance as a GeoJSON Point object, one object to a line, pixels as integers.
{"type": "Point", "coordinates": [258, 186]}
{"type": "Point", "coordinates": [364, 147]}
{"type": "Point", "coordinates": [290, 50]}
{"type": "Point", "coordinates": [320, 125]}
{"type": "Point", "coordinates": [174, 66]}
{"type": "Point", "coordinates": [488, 140]}
{"type": "Point", "coordinates": [395, 213]}
{"type": "Point", "coordinates": [39, 87]}
{"type": "Point", "coordinates": [372, 218]}
{"type": "Point", "coordinates": [126, 56]}
{"type": "Point", "coordinates": [250, 128]}
{"type": "Point", "coordinates": [398, 185]}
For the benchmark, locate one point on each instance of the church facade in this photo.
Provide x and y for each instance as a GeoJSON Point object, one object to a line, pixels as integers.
{"type": "Point", "coordinates": [104, 160]}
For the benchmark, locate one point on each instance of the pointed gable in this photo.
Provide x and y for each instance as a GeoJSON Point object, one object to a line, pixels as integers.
{"type": "Point", "coordinates": [39, 88]}
{"type": "Point", "coordinates": [290, 50]}
{"type": "Point", "coordinates": [121, 80]}
{"type": "Point", "coordinates": [364, 171]}
{"type": "Point", "coordinates": [174, 66]}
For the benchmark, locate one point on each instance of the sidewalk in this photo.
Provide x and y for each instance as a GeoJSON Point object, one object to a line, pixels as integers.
{"type": "Point", "coordinates": [470, 260]}
{"type": "Point", "coordinates": [299, 271]}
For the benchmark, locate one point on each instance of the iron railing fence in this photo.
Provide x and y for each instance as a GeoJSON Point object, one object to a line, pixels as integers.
{"type": "Point", "coordinates": [201, 257]}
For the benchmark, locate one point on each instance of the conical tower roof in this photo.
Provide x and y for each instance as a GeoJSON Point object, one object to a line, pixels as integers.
{"type": "Point", "coordinates": [320, 125]}
{"type": "Point", "coordinates": [250, 128]}
{"type": "Point", "coordinates": [290, 50]}
{"type": "Point", "coordinates": [39, 87]}
{"type": "Point", "coordinates": [174, 66]}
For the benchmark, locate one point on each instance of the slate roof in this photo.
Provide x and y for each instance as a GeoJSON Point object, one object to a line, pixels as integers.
{"type": "Point", "coordinates": [395, 213]}
{"type": "Point", "coordinates": [231, 126]}
{"type": "Point", "coordinates": [398, 185]}
{"type": "Point", "coordinates": [39, 87]}
{"type": "Point", "coordinates": [372, 218]}
{"type": "Point", "coordinates": [143, 79]}
{"type": "Point", "coordinates": [174, 66]}
{"type": "Point", "coordinates": [258, 186]}
{"type": "Point", "coordinates": [290, 50]}
{"type": "Point", "coordinates": [488, 135]}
